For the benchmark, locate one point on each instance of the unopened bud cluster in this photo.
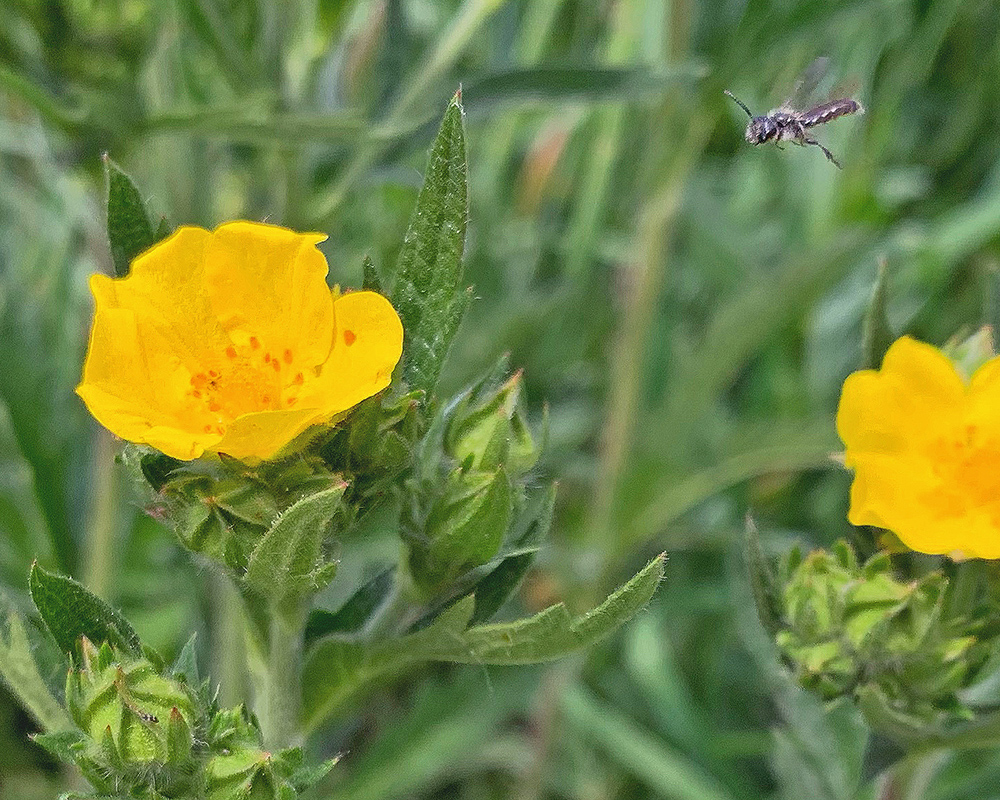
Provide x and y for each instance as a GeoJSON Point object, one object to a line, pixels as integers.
{"type": "Point", "coordinates": [145, 732]}
{"type": "Point", "coordinates": [909, 651]}
{"type": "Point", "coordinates": [469, 482]}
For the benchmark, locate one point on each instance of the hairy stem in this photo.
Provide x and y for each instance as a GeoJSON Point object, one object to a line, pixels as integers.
{"type": "Point", "coordinates": [279, 682]}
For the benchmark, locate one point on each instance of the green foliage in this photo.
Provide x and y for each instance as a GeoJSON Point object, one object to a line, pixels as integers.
{"type": "Point", "coordinates": [289, 561]}
{"type": "Point", "coordinates": [337, 669]}
{"type": "Point", "coordinates": [152, 734]}
{"type": "Point", "coordinates": [686, 305]}
{"type": "Point", "coordinates": [70, 611]}
{"type": "Point", "coordinates": [129, 230]}
{"type": "Point", "coordinates": [21, 672]}
{"type": "Point", "coordinates": [425, 286]}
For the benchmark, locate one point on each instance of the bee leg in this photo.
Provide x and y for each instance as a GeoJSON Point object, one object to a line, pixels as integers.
{"type": "Point", "coordinates": [829, 155]}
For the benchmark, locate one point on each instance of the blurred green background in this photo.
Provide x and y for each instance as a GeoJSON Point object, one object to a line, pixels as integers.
{"type": "Point", "coordinates": [684, 304]}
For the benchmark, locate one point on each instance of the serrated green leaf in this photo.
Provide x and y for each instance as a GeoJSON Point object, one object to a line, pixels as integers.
{"type": "Point", "coordinates": [20, 672]}
{"type": "Point", "coordinates": [288, 560]}
{"type": "Point", "coordinates": [877, 335]}
{"type": "Point", "coordinates": [337, 669]}
{"type": "Point", "coordinates": [70, 611]}
{"type": "Point", "coordinates": [425, 287]}
{"type": "Point", "coordinates": [129, 230]}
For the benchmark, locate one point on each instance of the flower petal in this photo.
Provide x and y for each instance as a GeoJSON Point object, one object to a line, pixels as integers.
{"type": "Point", "coordinates": [166, 288]}
{"type": "Point", "coordinates": [259, 436]}
{"type": "Point", "coordinates": [916, 392]}
{"type": "Point", "coordinates": [270, 282]}
{"type": "Point", "coordinates": [134, 385]}
{"type": "Point", "coordinates": [367, 345]}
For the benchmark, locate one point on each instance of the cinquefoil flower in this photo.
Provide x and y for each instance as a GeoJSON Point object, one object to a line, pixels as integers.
{"type": "Point", "coordinates": [924, 445]}
{"type": "Point", "coordinates": [230, 341]}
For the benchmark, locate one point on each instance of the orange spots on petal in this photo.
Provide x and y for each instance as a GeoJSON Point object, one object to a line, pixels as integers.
{"type": "Point", "coordinates": [208, 429]}
{"type": "Point", "coordinates": [291, 401]}
{"type": "Point", "coordinates": [287, 356]}
{"type": "Point", "coordinates": [214, 405]}
{"type": "Point", "coordinates": [350, 337]}
{"type": "Point", "coordinates": [231, 351]}
{"type": "Point", "coordinates": [277, 365]}
{"type": "Point", "coordinates": [298, 380]}
{"type": "Point", "coordinates": [254, 343]}
{"type": "Point", "coordinates": [267, 358]}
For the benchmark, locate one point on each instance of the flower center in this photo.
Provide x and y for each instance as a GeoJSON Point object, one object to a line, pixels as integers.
{"type": "Point", "coordinates": [246, 378]}
{"type": "Point", "coordinates": [967, 468]}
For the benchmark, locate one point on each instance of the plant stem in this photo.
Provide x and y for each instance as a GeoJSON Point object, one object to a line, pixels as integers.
{"type": "Point", "coordinates": [101, 525]}
{"type": "Point", "coordinates": [279, 689]}
{"type": "Point", "coordinates": [228, 648]}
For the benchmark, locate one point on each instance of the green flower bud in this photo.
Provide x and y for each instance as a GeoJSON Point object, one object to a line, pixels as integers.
{"type": "Point", "coordinates": [464, 528]}
{"type": "Point", "coordinates": [488, 430]}
{"type": "Point", "coordinates": [905, 649]}
{"type": "Point", "coordinates": [126, 705]}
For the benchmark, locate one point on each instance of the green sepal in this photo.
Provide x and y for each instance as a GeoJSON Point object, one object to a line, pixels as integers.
{"type": "Point", "coordinates": [70, 611]}
{"type": "Point", "coordinates": [63, 745]}
{"type": "Point", "coordinates": [469, 525]}
{"type": "Point", "coordinates": [289, 560]}
{"type": "Point", "coordinates": [179, 739]}
{"type": "Point", "coordinates": [487, 429]}
{"type": "Point", "coordinates": [129, 230]}
{"type": "Point", "coordinates": [185, 666]}
{"type": "Point", "coordinates": [425, 285]}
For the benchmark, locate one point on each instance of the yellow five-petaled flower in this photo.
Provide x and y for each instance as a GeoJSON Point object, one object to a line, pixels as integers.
{"type": "Point", "coordinates": [924, 445]}
{"type": "Point", "coordinates": [230, 341]}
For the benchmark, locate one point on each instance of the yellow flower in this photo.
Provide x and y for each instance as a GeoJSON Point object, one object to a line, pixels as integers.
{"type": "Point", "coordinates": [230, 341]}
{"type": "Point", "coordinates": [924, 445]}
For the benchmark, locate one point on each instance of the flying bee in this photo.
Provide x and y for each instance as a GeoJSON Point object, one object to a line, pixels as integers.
{"type": "Point", "coordinates": [785, 124]}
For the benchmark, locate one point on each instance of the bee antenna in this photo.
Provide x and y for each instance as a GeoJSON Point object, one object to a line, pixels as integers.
{"type": "Point", "coordinates": [740, 102]}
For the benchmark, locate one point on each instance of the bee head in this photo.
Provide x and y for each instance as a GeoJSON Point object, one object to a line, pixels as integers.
{"type": "Point", "coordinates": [761, 129]}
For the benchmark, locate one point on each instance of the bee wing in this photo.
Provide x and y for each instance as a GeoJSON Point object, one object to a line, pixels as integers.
{"type": "Point", "coordinates": [806, 85]}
